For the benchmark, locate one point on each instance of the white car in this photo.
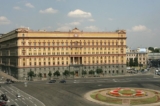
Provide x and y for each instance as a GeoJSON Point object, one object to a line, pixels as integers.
{"type": "Point", "coordinates": [18, 95]}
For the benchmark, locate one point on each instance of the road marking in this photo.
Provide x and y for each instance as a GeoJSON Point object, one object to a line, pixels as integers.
{"type": "Point", "coordinates": [24, 102]}
{"type": "Point", "coordinates": [114, 80]}
{"type": "Point", "coordinates": [16, 103]}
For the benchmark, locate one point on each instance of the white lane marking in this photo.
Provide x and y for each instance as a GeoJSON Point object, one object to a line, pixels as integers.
{"type": "Point", "coordinates": [29, 95]}
{"type": "Point", "coordinates": [16, 103]}
{"type": "Point", "coordinates": [24, 102]}
{"type": "Point", "coordinates": [114, 80]}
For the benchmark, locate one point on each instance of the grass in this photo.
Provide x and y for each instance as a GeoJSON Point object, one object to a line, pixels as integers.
{"type": "Point", "coordinates": [106, 99]}
{"type": "Point", "coordinates": [144, 101]}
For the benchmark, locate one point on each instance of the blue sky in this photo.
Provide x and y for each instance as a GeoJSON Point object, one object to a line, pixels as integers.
{"type": "Point", "coordinates": [140, 18]}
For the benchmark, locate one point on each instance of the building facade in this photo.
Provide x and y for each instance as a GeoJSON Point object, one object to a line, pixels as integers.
{"type": "Point", "coordinates": [140, 53]}
{"type": "Point", "coordinates": [23, 50]}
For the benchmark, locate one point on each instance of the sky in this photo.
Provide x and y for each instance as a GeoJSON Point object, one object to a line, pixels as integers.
{"type": "Point", "coordinates": [140, 18]}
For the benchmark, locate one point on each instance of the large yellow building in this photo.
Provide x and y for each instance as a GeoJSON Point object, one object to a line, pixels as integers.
{"type": "Point", "coordinates": [22, 50]}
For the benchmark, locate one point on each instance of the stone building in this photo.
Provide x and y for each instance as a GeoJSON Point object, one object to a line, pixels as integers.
{"type": "Point", "coordinates": [140, 53]}
{"type": "Point", "coordinates": [23, 50]}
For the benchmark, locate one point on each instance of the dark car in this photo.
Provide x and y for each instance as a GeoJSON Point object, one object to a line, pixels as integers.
{"type": "Point", "coordinates": [52, 81]}
{"type": "Point", "coordinates": [62, 81]}
{"type": "Point", "coordinates": [4, 97]}
{"type": "Point", "coordinates": [9, 81]}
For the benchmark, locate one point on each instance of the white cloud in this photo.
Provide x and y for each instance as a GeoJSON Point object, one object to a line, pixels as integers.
{"type": "Point", "coordinates": [91, 28]}
{"type": "Point", "coordinates": [139, 28]}
{"type": "Point", "coordinates": [4, 20]}
{"type": "Point", "coordinates": [64, 28]}
{"type": "Point", "coordinates": [48, 10]}
{"type": "Point", "coordinates": [74, 23]}
{"type": "Point", "coordinates": [29, 5]}
{"type": "Point", "coordinates": [16, 8]}
{"type": "Point", "coordinates": [92, 20]}
{"type": "Point", "coordinates": [79, 14]}
{"type": "Point", "coordinates": [110, 19]}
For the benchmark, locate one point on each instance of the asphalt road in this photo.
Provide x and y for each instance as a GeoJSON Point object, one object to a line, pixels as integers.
{"type": "Point", "coordinates": [25, 99]}
{"type": "Point", "coordinates": [72, 93]}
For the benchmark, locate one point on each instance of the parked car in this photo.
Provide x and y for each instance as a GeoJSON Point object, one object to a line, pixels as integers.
{"type": "Point", "coordinates": [52, 81]}
{"type": "Point", "coordinates": [62, 81]}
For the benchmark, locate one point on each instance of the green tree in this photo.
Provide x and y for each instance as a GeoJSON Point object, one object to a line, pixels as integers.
{"type": "Point", "coordinates": [135, 61]}
{"type": "Point", "coordinates": [84, 72]}
{"type": "Point", "coordinates": [57, 73]}
{"type": "Point", "coordinates": [30, 74]}
{"type": "Point", "coordinates": [49, 74]}
{"type": "Point", "coordinates": [91, 72]}
{"type": "Point", "coordinates": [156, 50]}
{"type": "Point", "coordinates": [72, 73]}
{"type": "Point", "coordinates": [66, 73]}
{"type": "Point", "coordinates": [151, 49]}
{"type": "Point", "coordinates": [99, 71]}
{"type": "Point", "coordinates": [131, 62]}
{"type": "Point", "coordinates": [40, 75]}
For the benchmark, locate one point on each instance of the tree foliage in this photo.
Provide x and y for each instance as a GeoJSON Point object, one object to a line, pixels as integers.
{"type": "Point", "coordinates": [135, 61]}
{"type": "Point", "coordinates": [49, 74]}
{"type": "Point", "coordinates": [40, 75]}
{"type": "Point", "coordinates": [154, 50]}
{"type": "Point", "coordinates": [66, 73]}
{"type": "Point", "coordinates": [99, 71]}
{"type": "Point", "coordinates": [131, 62]}
{"type": "Point", "coordinates": [91, 72]}
{"type": "Point", "coordinates": [72, 73]}
{"type": "Point", "coordinates": [84, 72]}
{"type": "Point", "coordinates": [57, 73]}
{"type": "Point", "coordinates": [30, 74]}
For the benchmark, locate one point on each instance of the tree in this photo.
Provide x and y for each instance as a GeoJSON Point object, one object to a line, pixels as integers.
{"type": "Point", "coordinates": [40, 75]}
{"type": "Point", "coordinates": [151, 49]}
{"type": "Point", "coordinates": [49, 74]}
{"type": "Point", "coordinates": [57, 73]}
{"type": "Point", "coordinates": [135, 61]}
{"type": "Point", "coordinates": [31, 74]}
{"type": "Point", "coordinates": [91, 72]}
{"type": "Point", "coordinates": [131, 62]}
{"type": "Point", "coordinates": [99, 71]}
{"type": "Point", "coordinates": [66, 73]}
{"type": "Point", "coordinates": [84, 72]}
{"type": "Point", "coordinates": [72, 73]}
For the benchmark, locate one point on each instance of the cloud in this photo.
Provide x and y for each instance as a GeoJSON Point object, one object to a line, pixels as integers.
{"type": "Point", "coordinates": [92, 20]}
{"type": "Point", "coordinates": [110, 19]}
{"type": "Point", "coordinates": [49, 10]}
{"type": "Point", "coordinates": [16, 8]}
{"type": "Point", "coordinates": [29, 5]}
{"type": "Point", "coordinates": [79, 14]}
{"type": "Point", "coordinates": [74, 23]}
{"type": "Point", "coordinates": [139, 28]}
{"type": "Point", "coordinates": [4, 20]}
{"type": "Point", "coordinates": [63, 28]}
{"type": "Point", "coordinates": [91, 28]}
